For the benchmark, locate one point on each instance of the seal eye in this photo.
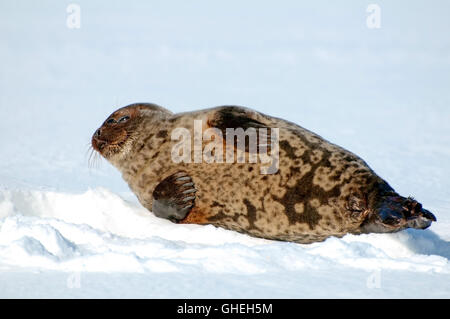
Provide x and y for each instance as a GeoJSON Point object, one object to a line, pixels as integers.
{"type": "Point", "coordinates": [123, 119]}
{"type": "Point", "coordinates": [111, 121]}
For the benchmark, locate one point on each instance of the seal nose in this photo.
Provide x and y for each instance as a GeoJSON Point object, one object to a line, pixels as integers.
{"type": "Point", "coordinates": [97, 142]}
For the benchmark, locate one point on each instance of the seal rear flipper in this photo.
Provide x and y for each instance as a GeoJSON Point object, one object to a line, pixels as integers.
{"type": "Point", "coordinates": [174, 197]}
{"type": "Point", "coordinates": [395, 213]}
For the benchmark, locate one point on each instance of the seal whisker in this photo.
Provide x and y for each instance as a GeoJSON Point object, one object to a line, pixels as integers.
{"type": "Point", "coordinates": [94, 158]}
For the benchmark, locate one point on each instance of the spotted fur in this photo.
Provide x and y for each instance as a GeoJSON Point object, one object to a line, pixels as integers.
{"type": "Point", "coordinates": [320, 189]}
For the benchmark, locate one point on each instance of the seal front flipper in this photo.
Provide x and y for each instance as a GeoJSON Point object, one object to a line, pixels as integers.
{"type": "Point", "coordinates": [174, 197]}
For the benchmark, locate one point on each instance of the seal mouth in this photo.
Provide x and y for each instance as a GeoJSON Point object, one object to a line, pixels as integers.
{"type": "Point", "coordinates": [109, 144]}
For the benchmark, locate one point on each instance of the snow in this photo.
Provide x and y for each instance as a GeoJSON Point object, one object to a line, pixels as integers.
{"type": "Point", "coordinates": [69, 229]}
{"type": "Point", "coordinates": [97, 240]}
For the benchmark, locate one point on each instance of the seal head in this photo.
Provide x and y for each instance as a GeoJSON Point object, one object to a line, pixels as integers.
{"type": "Point", "coordinates": [115, 137]}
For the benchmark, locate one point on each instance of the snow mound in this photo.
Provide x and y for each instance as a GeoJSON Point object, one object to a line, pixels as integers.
{"type": "Point", "coordinates": [98, 231]}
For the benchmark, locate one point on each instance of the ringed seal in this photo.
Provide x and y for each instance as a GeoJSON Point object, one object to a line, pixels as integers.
{"type": "Point", "coordinates": [319, 189]}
